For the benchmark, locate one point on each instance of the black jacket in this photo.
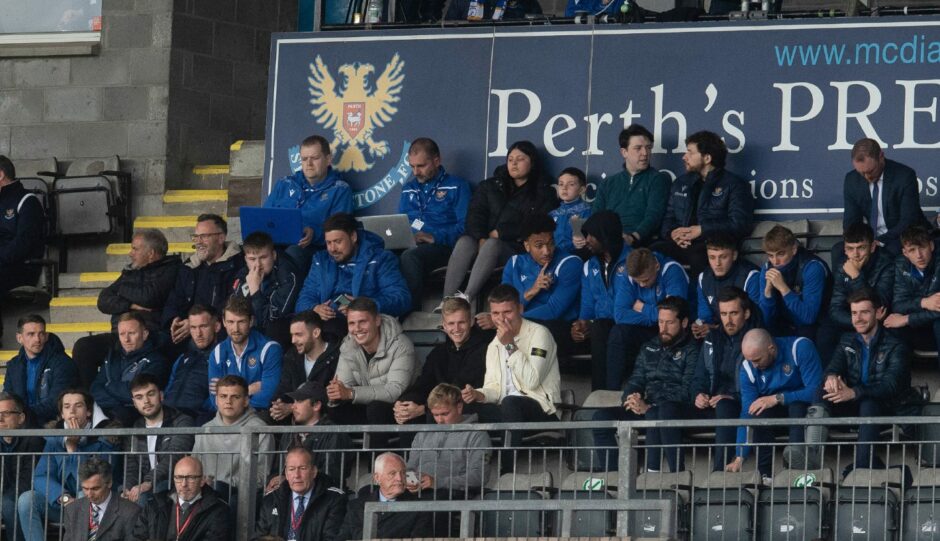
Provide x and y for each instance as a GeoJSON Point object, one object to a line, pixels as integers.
{"type": "Point", "coordinates": [909, 290]}
{"type": "Point", "coordinates": [212, 520]}
{"type": "Point", "coordinates": [22, 226]}
{"type": "Point", "coordinates": [664, 374]}
{"type": "Point", "coordinates": [899, 200]}
{"type": "Point", "coordinates": [147, 286]}
{"type": "Point", "coordinates": [188, 389]}
{"type": "Point", "coordinates": [391, 525]}
{"type": "Point", "coordinates": [330, 450]}
{"type": "Point", "coordinates": [112, 386]}
{"type": "Point", "coordinates": [497, 205]}
{"type": "Point", "coordinates": [56, 373]}
{"type": "Point", "coordinates": [878, 274]}
{"type": "Point", "coordinates": [723, 202]}
{"type": "Point", "coordinates": [199, 283]}
{"type": "Point", "coordinates": [137, 464]}
{"type": "Point", "coordinates": [889, 371]}
{"type": "Point", "coordinates": [448, 364]}
{"type": "Point", "coordinates": [742, 271]}
{"type": "Point", "coordinates": [719, 363]}
{"type": "Point", "coordinates": [278, 294]}
{"type": "Point", "coordinates": [293, 374]}
{"type": "Point", "coordinates": [322, 518]}
{"type": "Point", "coordinates": [23, 454]}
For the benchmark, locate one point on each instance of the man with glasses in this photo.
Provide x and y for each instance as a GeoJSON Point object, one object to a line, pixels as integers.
{"type": "Point", "coordinates": [18, 455]}
{"type": "Point", "coordinates": [99, 515]}
{"type": "Point", "coordinates": [205, 278]}
{"type": "Point", "coordinates": [192, 512]}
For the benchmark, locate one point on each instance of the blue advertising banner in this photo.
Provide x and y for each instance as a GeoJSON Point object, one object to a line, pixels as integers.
{"type": "Point", "coordinates": [789, 99]}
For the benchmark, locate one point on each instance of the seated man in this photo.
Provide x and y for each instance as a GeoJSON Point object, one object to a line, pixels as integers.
{"type": "Point", "coordinates": [147, 468]}
{"type": "Point", "coordinates": [246, 353]}
{"type": "Point", "coordinates": [388, 473]}
{"type": "Point", "coordinates": [522, 382]}
{"type": "Point", "coordinates": [18, 455]}
{"type": "Point", "coordinates": [869, 375]}
{"type": "Point", "coordinates": [354, 264]}
{"type": "Point", "coordinates": [916, 303]}
{"type": "Point", "coordinates": [40, 371]}
{"type": "Point", "coordinates": [460, 361]}
{"type": "Point", "coordinates": [313, 358]}
{"type": "Point", "coordinates": [864, 264]}
{"type": "Point", "coordinates": [376, 364]}
{"type": "Point", "coordinates": [436, 203]}
{"type": "Point", "coordinates": [270, 282]}
{"type": "Point", "coordinates": [716, 376]}
{"type": "Point", "coordinates": [704, 201]}
{"type": "Point", "coordinates": [305, 505]}
{"type": "Point", "coordinates": [188, 387]}
{"type": "Point", "coordinates": [660, 388]}
{"type": "Point", "coordinates": [603, 238]}
{"type": "Point", "coordinates": [22, 232]}
{"type": "Point", "coordinates": [572, 184]}
{"type": "Point", "coordinates": [210, 520]}
{"type": "Point", "coordinates": [795, 286]}
{"type": "Point", "coordinates": [99, 515]}
{"type": "Point", "coordinates": [451, 463]}
{"type": "Point", "coordinates": [725, 269]}
{"type": "Point", "coordinates": [219, 452]}
{"type": "Point", "coordinates": [648, 278]}
{"type": "Point", "coordinates": [205, 278]}
{"type": "Point", "coordinates": [55, 479]}
{"type": "Point", "coordinates": [136, 353]}
{"type": "Point", "coordinates": [779, 378]}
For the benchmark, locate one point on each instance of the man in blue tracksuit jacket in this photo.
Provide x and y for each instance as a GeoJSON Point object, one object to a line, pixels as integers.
{"type": "Point", "coordinates": [188, 389]}
{"type": "Point", "coordinates": [246, 353]}
{"type": "Point", "coordinates": [436, 203]}
{"type": "Point", "coordinates": [648, 278]}
{"type": "Point", "coordinates": [354, 264]}
{"type": "Point", "coordinates": [317, 190]}
{"type": "Point", "coordinates": [779, 378]}
{"type": "Point", "coordinates": [40, 371]}
{"type": "Point", "coordinates": [795, 285]}
{"type": "Point", "coordinates": [724, 269]}
{"type": "Point", "coordinates": [915, 310]}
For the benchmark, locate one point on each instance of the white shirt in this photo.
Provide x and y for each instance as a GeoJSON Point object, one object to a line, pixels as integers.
{"type": "Point", "coordinates": [511, 389]}
{"type": "Point", "coordinates": [308, 365]}
{"type": "Point", "coordinates": [152, 444]}
{"type": "Point", "coordinates": [102, 508]}
{"type": "Point", "coordinates": [881, 227]}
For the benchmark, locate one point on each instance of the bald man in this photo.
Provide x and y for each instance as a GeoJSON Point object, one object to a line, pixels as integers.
{"type": "Point", "coordinates": [779, 378]}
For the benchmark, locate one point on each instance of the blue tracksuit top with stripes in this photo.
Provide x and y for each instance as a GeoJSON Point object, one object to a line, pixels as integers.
{"type": "Point", "coordinates": [261, 361]}
{"type": "Point", "coordinates": [597, 298]}
{"type": "Point", "coordinates": [560, 301]}
{"type": "Point", "coordinates": [440, 205]}
{"type": "Point", "coordinates": [671, 281]}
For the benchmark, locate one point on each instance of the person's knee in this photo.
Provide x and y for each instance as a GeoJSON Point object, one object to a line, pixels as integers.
{"type": "Point", "coordinates": [26, 501]}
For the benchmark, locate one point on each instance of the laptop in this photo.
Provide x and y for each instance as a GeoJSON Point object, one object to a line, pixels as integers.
{"type": "Point", "coordinates": [284, 225]}
{"type": "Point", "coordinates": [395, 230]}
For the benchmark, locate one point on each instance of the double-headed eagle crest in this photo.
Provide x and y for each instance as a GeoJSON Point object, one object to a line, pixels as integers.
{"type": "Point", "coordinates": [355, 108]}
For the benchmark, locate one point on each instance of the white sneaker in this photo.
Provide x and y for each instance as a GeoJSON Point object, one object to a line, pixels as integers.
{"type": "Point", "coordinates": [456, 295]}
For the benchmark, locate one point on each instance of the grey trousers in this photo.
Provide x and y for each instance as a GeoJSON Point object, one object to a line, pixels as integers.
{"type": "Point", "coordinates": [493, 254]}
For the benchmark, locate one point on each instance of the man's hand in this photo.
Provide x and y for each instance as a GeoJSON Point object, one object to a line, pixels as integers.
{"type": "Point", "coordinates": [578, 241]}
{"type": "Point", "coordinates": [853, 268]}
{"type": "Point", "coordinates": [179, 330]}
{"type": "Point", "coordinates": [844, 394]}
{"type": "Point", "coordinates": [484, 321]}
{"type": "Point", "coordinates": [424, 238]}
{"type": "Point", "coordinates": [762, 404]}
{"type": "Point", "coordinates": [307, 238]}
{"type": "Point", "coordinates": [702, 401]}
{"type": "Point", "coordinates": [406, 410]}
{"type": "Point", "coordinates": [580, 330]}
{"type": "Point", "coordinates": [273, 484]}
{"type": "Point", "coordinates": [134, 493]}
{"type": "Point", "coordinates": [542, 282]}
{"type": "Point", "coordinates": [254, 388]}
{"type": "Point", "coordinates": [494, 234]}
{"type": "Point", "coordinates": [325, 311]}
{"type": "Point", "coordinates": [775, 278]}
{"type": "Point", "coordinates": [735, 465]}
{"type": "Point", "coordinates": [638, 306]}
{"type": "Point", "coordinates": [701, 331]}
{"type": "Point", "coordinates": [254, 278]}
{"type": "Point", "coordinates": [135, 306]}
{"type": "Point", "coordinates": [71, 442]}
{"type": "Point", "coordinates": [636, 404]}
{"type": "Point", "coordinates": [471, 395]}
{"type": "Point", "coordinates": [931, 303]}
{"type": "Point", "coordinates": [833, 383]}
{"type": "Point", "coordinates": [713, 401]}
{"type": "Point", "coordinates": [212, 384]}
{"type": "Point", "coordinates": [628, 239]}
{"type": "Point", "coordinates": [279, 410]}
{"type": "Point", "coordinates": [693, 233]}
{"type": "Point", "coordinates": [504, 332]}
{"type": "Point", "coordinates": [677, 234]}
{"type": "Point", "coordinates": [426, 482]}
{"type": "Point", "coordinates": [896, 321]}
{"type": "Point", "coordinates": [337, 392]}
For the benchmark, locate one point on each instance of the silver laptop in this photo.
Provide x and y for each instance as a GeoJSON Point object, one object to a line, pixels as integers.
{"type": "Point", "coordinates": [395, 230]}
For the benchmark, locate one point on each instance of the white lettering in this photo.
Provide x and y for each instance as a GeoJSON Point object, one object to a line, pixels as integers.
{"type": "Point", "coordinates": [503, 123]}
{"type": "Point", "coordinates": [549, 134]}
{"type": "Point", "coordinates": [842, 116]}
{"type": "Point", "coordinates": [734, 131]}
{"type": "Point", "coordinates": [595, 122]}
{"type": "Point", "coordinates": [910, 88]}
{"type": "Point", "coordinates": [786, 112]}
{"type": "Point", "coordinates": [659, 119]}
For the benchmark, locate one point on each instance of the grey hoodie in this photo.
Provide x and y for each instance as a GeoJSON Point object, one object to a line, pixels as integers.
{"type": "Point", "coordinates": [219, 453]}
{"type": "Point", "coordinates": [391, 370]}
{"type": "Point", "coordinates": [456, 460]}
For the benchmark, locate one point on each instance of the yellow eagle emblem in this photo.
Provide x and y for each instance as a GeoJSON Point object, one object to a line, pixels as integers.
{"type": "Point", "coordinates": [355, 108]}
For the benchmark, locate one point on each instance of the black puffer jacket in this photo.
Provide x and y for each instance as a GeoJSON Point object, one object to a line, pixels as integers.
{"type": "Point", "coordinates": [878, 274]}
{"type": "Point", "coordinates": [293, 374]}
{"type": "Point", "coordinates": [722, 203]}
{"type": "Point", "coordinates": [322, 518]}
{"type": "Point", "coordinates": [211, 519]}
{"type": "Point", "coordinates": [500, 205]}
{"type": "Point", "coordinates": [199, 283]}
{"type": "Point", "coordinates": [22, 226]}
{"type": "Point", "coordinates": [147, 286]}
{"type": "Point", "coordinates": [390, 525]}
{"type": "Point", "coordinates": [908, 291]}
{"type": "Point", "coordinates": [719, 363]}
{"type": "Point", "coordinates": [889, 371]}
{"type": "Point", "coordinates": [448, 364]}
{"type": "Point", "coordinates": [664, 374]}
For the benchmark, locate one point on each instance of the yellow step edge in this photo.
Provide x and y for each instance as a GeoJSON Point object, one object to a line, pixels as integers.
{"type": "Point", "coordinates": [236, 146]}
{"type": "Point", "coordinates": [98, 276]}
{"type": "Point", "coordinates": [90, 326]}
{"type": "Point", "coordinates": [7, 354]}
{"type": "Point", "coordinates": [162, 222]}
{"type": "Point", "coordinates": [175, 248]}
{"type": "Point", "coordinates": [73, 302]}
{"type": "Point", "coordinates": [194, 196]}
{"type": "Point", "coordinates": [211, 170]}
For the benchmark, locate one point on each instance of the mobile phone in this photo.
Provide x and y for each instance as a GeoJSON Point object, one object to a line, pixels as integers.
{"type": "Point", "coordinates": [342, 300]}
{"type": "Point", "coordinates": [411, 477]}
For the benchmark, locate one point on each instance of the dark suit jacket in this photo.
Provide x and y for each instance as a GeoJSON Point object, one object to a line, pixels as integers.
{"type": "Point", "coordinates": [900, 201]}
{"type": "Point", "coordinates": [116, 525]}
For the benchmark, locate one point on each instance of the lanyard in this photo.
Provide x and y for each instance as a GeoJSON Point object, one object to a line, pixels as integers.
{"type": "Point", "coordinates": [192, 513]}
{"type": "Point", "coordinates": [295, 518]}
{"type": "Point", "coordinates": [426, 196]}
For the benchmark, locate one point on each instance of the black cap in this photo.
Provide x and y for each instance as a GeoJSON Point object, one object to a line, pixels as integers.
{"type": "Point", "coordinates": [311, 390]}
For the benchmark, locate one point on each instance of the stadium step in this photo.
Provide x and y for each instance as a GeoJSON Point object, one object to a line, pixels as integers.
{"type": "Point", "coordinates": [117, 253]}
{"type": "Point", "coordinates": [85, 284]}
{"type": "Point", "coordinates": [209, 177]}
{"type": "Point", "coordinates": [69, 333]}
{"type": "Point", "coordinates": [75, 310]}
{"type": "Point", "coordinates": [181, 228]}
{"type": "Point", "coordinates": [195, 202]}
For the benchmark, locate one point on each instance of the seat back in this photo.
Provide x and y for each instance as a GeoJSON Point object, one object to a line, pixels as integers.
{"type": "Point", "coordinates": [865, 513]}
{"type": "Point", "coordinates": [722, 514]}
{"type": "Point", "coordinates": [507, 524]}
{"type": "Point", "coordinates": [785, 513]}
{"type": "Point", "coordinates": [589, 523]}
{"type": "Point", "coordinates": [424, 341]}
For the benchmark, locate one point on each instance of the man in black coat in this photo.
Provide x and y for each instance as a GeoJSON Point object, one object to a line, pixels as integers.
{"type": "Point", "coordinates": [187, 389]}
{"type": "Point", "coordinates": [389, 475]}
{"type": "Point", "coordinates": [313, 358]}
{"type": "Point", "coordinates": [193, 512]}
{"type": "Point", "coordinates": [17, 468]}
{"type": "Point", "coordinates": [305, 507]}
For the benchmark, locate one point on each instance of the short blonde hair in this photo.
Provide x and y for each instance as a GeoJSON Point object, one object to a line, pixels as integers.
{"type": "Point", "coordinates": [455, 304]}
{"type": "Point", "coordinates": [444, 393]}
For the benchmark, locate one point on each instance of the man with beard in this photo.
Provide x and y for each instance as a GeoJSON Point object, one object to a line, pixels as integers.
{"type": "Point", "coordinates": [660, 388]}
{"type": "Point", "coordinates": [313, 359]}
{"type": "Point", "coordinates": [246, 353]}
{"type": "Point", "coordinates": [40, 371]}
{"type": "Point", "coordinates": [725, 269]}
{"type": "Point", "coordinates": [704, 201]}
{"type": "Point", "coordinates": [715, 388]}
{"type": "Point", "coordinates": [188, 388]}
{"type": "Point", "coordinates": [596, 317]}
{"type": "Point", "coordinates": [206, 278]}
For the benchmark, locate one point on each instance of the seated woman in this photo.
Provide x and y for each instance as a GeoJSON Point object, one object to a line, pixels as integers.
{"type": "Point", "coordinates": [498, 209]}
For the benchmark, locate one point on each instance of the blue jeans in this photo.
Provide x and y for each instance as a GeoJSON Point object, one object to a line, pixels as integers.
{"type": "Point", "coordinates": [33, 509]}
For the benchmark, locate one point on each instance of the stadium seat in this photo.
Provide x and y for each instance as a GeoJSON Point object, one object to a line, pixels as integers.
{"type": "Point", "coordinates": [590, 486]}
{"type": "Point", "coordinates": [424, 341]}
{"type": "Point", "coordinates": [517, 486]}
{"type": "Point", "coordinates": [794, 506]}
{"type": "Point", "coordinates": [723, 507]}
{"type": "Point", "coordinates": [921, 515]}
{"type": "Point", "coordinates": [661, 486]}
{"type": "Point", "coordinates": [582, 453]}
{"type": "Point", "coordinates": [47, 285]}
{"type": "Point", "coordinates": [867, 504]}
